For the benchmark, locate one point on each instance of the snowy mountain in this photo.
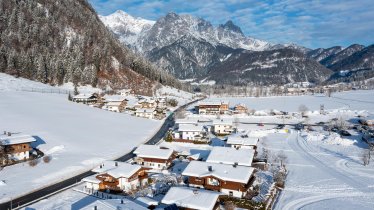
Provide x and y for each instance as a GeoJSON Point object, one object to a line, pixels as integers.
{"type": "Point", "coordinates": [126, 26]}
{"type": "Point", "coordinates": [268, 67]}
{"type": "Point", "coordinates": [189, 47]}
{"type": "Point", "coordinates": [341, 55]}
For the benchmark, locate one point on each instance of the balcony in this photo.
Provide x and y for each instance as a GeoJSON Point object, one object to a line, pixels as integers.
{"type": "Point", "coordinates": [213, 187]}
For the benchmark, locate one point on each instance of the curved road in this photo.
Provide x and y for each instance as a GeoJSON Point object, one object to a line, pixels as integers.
{"type": "Point", "coordinates": [50, 190]}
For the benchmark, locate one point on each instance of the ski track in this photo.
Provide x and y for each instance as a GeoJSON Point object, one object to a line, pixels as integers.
{"type": "Point", "coordinates": [354, 187]}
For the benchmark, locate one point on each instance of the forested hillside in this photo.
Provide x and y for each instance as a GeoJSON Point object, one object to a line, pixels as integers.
{"type": "Point", "coordinates": [64, 41]}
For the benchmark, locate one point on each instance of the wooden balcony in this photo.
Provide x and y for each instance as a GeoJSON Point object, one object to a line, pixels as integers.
{"type": "Point", "coordinates": [212, 187]}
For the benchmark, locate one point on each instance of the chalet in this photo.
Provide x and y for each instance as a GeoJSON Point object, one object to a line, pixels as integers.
{"type": "Point", "coordinates": [123, 177]}
{"type": "Point", "coordinates": [114, 98]}
{"type": "Point", "coordinates": [222, 126]}
{"type": "Point", "coordinates": [242, 141]}
{"type": "Point", "coordinates": [145, 113]}
{"type": "Point", "coordinates": [193, 132]}
{"type": "Point", "coordinates": [153, 156]}
{"type": "Point", "coordinates": [232, 156]}
{"type": "Point", "coordinates": [17, 146]}
{"type": "Point", "coordinates": [85, 98]}
{"type": "Point", "coordinates": [224, 108]}
{"type": "Point", "coordinates": [116, 106]}
{"type": "Point", "coordinates": [240, 109]}
{"type": "Point", "coordinates": [209, 107]}
{"type": "Point", "coordinates": [232, 180]}
{"type": "Point", "coordinates": [191, 198]}
{"type": "Point", "coordinates": [161, 102]}
{"type": "Point", "coordinates": [114, 204]}
{"type": "Point", "coordinates": [147, 103]}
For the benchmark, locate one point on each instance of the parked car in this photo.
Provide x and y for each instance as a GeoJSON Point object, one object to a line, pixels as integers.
{"type": "Point", "coordinates": [260, 124]}
{"type": "Point", "coordinates": [345, 133]}
{"type": "Point", "coordinates": [280, 126]}
{"type": "Point", "coordinates": [299, 126]}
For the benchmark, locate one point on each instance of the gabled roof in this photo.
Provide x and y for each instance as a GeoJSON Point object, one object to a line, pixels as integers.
{"type": "Point", "coordinates": [125, 170]}
{"type": "Point", "coordinates": [115, 204]}
{"type": "Point", "coordinates": [92, 179]}
{"type": "Point", "coordinates": [114, 98]}
{"type": "Point", "coordinates": [114, 103]}
{"type": "Point", "coordinates": [153, 151]}
{"type": "Point", "coordinates": [190, 127]}
{"type": "Point", "coordinates": [106, 166]}
{"type": "Point", "coordinates": [230, 155]}
{"type": "Point", "coordinates": [242, 140]}
{"type": "Point", "coordinates": [191, 198]}
{"type": "Point", "coordinates": [222, 122]}
{"type": "Point", "coordinates": [240, 174]}
{"type": "Point", "coordinates": [83, 96]}
{"type": "Point", "coordinates": [16, 139]}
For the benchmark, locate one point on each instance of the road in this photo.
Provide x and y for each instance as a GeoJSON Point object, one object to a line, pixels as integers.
{"type": "Point", "coordinates": [50, 190]}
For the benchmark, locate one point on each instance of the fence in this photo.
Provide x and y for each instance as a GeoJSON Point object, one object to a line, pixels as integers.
{"type": "Point", "coordinates": [44, 90]}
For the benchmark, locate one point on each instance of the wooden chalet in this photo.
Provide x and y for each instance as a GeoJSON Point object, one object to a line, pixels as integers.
{"type": "Point", "coordinates": [17, 146]}
{"type": "Point", "coordinates": [153, 156]}
{"type": "Point", "coordinates": [232, 180]}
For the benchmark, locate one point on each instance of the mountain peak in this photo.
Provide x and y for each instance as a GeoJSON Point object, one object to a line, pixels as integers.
{"type": "Point", "coordinates": [171, 15]}
{"type": "Point", "coordinates": [229, 25]}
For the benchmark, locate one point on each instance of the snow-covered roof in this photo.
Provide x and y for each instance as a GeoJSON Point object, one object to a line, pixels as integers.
{"type": "Point", "coordinates": [125, 170]}
{"type": "Point", "coordinates": [191, 198]}
{"type": "Point", "coordinates": [240, 174]}
{"type": "Point", "coordinates": [114, 98]}
{"type": "Point", "coordinates": [83, 96]}
{"type": "Point", "coordinates": [144, 110]}
{"type": "Point", "coordinates": [106, 166]}
{"type": "Point", "coordinates": [209, 103]}
{"type": "Point", "coordinates": [114, 103]}
{"type": "Point", "coordinates": [91, 179]}
{"type": "Point", "coordinates": [242, 140]}
{"type": "Point", "coordinates": [230, 155]}
{"type": "Point", "coordinates": [153, 151]}
{"type": "Point", "coordinates": [190, 127]}
{"type": "Point", "coordinates": [222, 122]}
{"type": "Point", "coordinates": [186, 121]}
{"type": "Point", "coordinates": [148, 201]}
{"type": "Point", "coordinates": [114, 204]}
{"type": "Point", "coordinates": [16, 139]}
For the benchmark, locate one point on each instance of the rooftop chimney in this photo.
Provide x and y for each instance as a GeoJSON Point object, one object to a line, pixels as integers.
{"type": "Point", "coordinates": [121, 201]}
{"type": "Point", "coordinates": [235, 164]}
{"type": "Point", "coordinates": [115, 163]}
{"type": "Point", "coordinates": [210, 168]}
{"type": "Point", "coordinates": [9, 133]}
{"type": "Point", "coordinates": [4, 132]}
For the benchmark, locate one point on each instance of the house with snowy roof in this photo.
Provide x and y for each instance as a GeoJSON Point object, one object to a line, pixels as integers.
{"type": "Point", "coordinates": [192, 198]}
{"type": "Point", "coordinates": [240, 109]}
{"type": "Point", "coordinates": [116, 106]}
{"type": "Point", "coordinates": [190, 132]}
{"type": "Point", "coordinates": [17, 146]}
{"type": "Point", "coordinates": [86, 98]}
{"type": "Point", "coordinates": [114, 204]}
{"type": "Point", "coordinates": [242, 141]}
{"type": "Point", "coordinates": [232, 156]}
{"type": "Point", "coordinates": [222, 126]}
{"type": "Point", "coordinates": [122, 177]}
{"type": "Point", "coordinates": [153, 156]}
{"type": "Point", "coordinates": [232, 180]}
{"type": "Point", "coordinates": [145, 113]}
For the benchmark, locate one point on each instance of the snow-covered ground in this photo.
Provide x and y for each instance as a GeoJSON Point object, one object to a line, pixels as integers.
{"type": "Point", "coordinates": [76, 136]}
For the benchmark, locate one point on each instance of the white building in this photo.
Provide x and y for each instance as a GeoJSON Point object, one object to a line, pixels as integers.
{"type": "Point", "coordinates": [129, 176]}
{"type": "Point", "coordinates": [145, 113]}
{"type": "Point", "coordinates": [231, 156]}
{"type": "Point", "coordinates": [193, 132]}
{"type": "Point", "coordinates": [191, 198]}
{"type": "Point", "coordinates": [116, 106]}
{"type": "Point", "coordinates": [153, 156]}
{"type": "Point", "coordinates": [242, 141]}
{"type": "Point", "coordinates": [88, 98]}
{"type": "Point", "coordinates": [222, 126]}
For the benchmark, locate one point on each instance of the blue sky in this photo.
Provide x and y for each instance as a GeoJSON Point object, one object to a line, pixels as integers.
{"type": "Point", "coordinates": [313, 24]}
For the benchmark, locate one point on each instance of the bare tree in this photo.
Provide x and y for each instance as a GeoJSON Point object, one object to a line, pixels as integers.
{"type": "Point", "coordinates": [303, 109]}
{"type": "Point", "coordinates": [365, 157]}
{"type": "Point", "coordinates": [229, 205]}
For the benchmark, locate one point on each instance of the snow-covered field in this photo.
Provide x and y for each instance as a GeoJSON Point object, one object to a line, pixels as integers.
{"type": "Point", "coordinates": [76, 136]}
{"type": "Point", "coordinates": [325, 171]}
